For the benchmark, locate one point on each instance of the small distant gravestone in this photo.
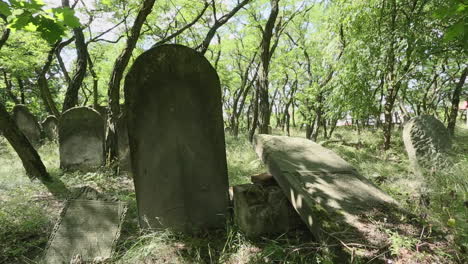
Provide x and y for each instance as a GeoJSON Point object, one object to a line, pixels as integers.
{"type": "Point", "coordinates": [27, 123]}
{"type": "Point", "coordinates": [175, 129]}
{"type": "Point", "coordinates": [88, 228]}
{"type": "Point", "coordinates": [426, 141]}
{"type": "Point", "coordinates": [81, 139]}
{"type": "Point", "coordinates": [50, 128]}
{"type": "Point", "coordinates": [124, 150]}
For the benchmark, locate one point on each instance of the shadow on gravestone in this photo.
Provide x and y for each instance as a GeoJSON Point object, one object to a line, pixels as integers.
{"type": "Point", "coordinates": [50, 128]}
{"type": "Point", "coordinates": [427, 142]}
{"type": "Point", "coordinates": [81, 139]}
{"type": "Point", "coordinates": [27, 123]}
{"type": "Point", "coordinates": [175, 129]}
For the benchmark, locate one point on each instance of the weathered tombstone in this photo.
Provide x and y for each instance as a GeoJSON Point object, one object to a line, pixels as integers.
{"type": "Point", "coordinates": [27, 123]}
{"type": "Point", "coordinates": [88, 228]}
{"type": "Point", "coordinates": [175, 129]}
{"type": "Point", "coordinates": [81, 139]}
{"type": "Point", "coordinates": [50, 128]}
{"type": "Point", "coordinates": [334, 201]}
{"type": "Point", "coordinates": [426, 141]}
{"type": "Point", "coordinates": [124, 150]}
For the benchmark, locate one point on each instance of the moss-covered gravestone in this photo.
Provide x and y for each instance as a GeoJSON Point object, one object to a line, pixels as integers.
{"type": "Point", "coordinates": [81, 139]}
{"type": "Point", "coordinates": [50, 128]}
{"type": "Point", "coordinates": [427, 141]}
{"type": "Point", "coordinates": [175, 129]}
{"type": "Point", "coordinates": [27, 123]}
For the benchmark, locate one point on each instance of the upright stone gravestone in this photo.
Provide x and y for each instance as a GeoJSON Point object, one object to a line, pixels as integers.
{"type": "Point", "coordinates": [50, 128]}
{"type": "Point", "coordinates": [175, 129]}
{"type": "Point", "coordinates": [81, 139]}
{"type": "Point", "coordinates": [27, 123]}
{"type": "Point", "coordinates": [426, 141]}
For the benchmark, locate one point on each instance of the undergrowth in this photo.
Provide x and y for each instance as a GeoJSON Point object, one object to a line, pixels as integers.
{"type": "Point", "coordinates": [28, 211]}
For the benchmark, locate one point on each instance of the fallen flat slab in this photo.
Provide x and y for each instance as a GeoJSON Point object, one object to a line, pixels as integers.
{"type": "Point", "coordinates": [88, 228]}
{"type": "Point", "coordinates": [330, 196]}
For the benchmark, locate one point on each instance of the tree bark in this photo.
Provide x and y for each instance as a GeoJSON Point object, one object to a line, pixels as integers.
{"type": "Point", "coordinates": [71, 96]}
{"type": "Point", "coordinates": [31, 161]}
{"type": "Point", "coordinates": [264, 105]}
{"type": "Point", "coordinates": [120, 65]}
{"type": "Point", "coordinates": [452, 118]}
{"type": "Point", "coordinates": [46, 96]}
{"type": "Point", "coordinates": [218, 23]}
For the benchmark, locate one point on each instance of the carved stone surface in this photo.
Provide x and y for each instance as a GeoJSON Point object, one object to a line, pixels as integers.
{"type": "Point", "coordinates": [329, 195]}
{"type": "Point", "coordinates": [88, 229]}
{"type": "Point", "coordinates": [81, 139]}
{"type": "Point", "coordinates": [175, 129]}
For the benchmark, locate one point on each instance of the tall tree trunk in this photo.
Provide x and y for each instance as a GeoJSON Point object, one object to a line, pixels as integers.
{"type": "Point", "coordinates": [255, 115]}
{"type": "Point", "coordinates": [46, 96]}
{"type": "Point", "coordinates": [120, 65]}
{"type": "Point", "coordinates": [264, 105]}
{"type": "Point", "coordinates": [452, 118]}
{"type": "Point", "coordinates": [21, 88]}
{"type": "Point", "coordinates": [71, 96]}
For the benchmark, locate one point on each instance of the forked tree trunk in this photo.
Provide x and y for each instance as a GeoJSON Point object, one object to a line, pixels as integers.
{"type": "Point", "coordinates": [264, 105]}
{"type": "Point", "coordinates": [120, 65]}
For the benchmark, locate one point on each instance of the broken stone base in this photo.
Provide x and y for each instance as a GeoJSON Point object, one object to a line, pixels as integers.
{"type": "Point", "coordinates": [263, 210]}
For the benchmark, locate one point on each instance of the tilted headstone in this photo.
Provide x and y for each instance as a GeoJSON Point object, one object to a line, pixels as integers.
{"type": "Point", "coordinates": [27, 123]}
{"type": "Point", "coordinates": [50, 128]}
{"type": "Point", "coordinates": [334, 201]}
{"type": "Point", "coordinates": [124, 149]}
{"type": "Point", "coordinates": [175, 129]}
{"type": "Point", "coordinates": [426, 141]}
{"type": "Point", "coordinates": [81, 139]}
{"type": "Point", "coordinates": [88, 229]}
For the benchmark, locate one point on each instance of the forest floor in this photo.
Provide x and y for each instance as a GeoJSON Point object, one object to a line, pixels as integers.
{"type": "Point", "coordinates": [28, 211]}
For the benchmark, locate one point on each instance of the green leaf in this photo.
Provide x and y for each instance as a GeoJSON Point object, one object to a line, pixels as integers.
{"type": "Point", "coordinates": [20, 21]}
{"type": "Point", "coordinates": [4, 9]}
{"type": "Point", "coordinates": [68, 17]}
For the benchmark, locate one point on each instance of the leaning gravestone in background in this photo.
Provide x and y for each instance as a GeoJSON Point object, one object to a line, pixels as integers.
{"type": "Point", "coordinates": [50, 128]}
{"type": "Point", "coordinates": [27, 123]}
{"type": "Point", "coordinates": [175, 129]}
{"type": "Point", "coordinates": [81, 139]}
{"type": "Point", "coordinates": [426, 141]}
{"type": "Point", "coordinates": [88, 227]}
{"type": "Point", "coordinates": [335, 201]}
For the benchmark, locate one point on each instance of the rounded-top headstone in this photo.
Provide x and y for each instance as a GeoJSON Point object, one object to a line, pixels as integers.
{"type": "Point", "coordinates": [27, 123]}
{"type": "Point", "coordinates": [50, 127]}
{"type": "Point", "coordinates": [176, 137]}
{"type": "Point", "coordinates": [81, 139]}
{"type": "Point", "coordinates": [426, 141]}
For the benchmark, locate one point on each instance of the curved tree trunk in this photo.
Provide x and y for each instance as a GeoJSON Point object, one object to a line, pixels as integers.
{"type": "Point", "coordinates": [31, 161]}
{"type": "Point", "coordinates": [452, 118]}
{"type": "Point", "coordinates": [264, 105]}
{"type": "Point", "coordinates": [116, 77]}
